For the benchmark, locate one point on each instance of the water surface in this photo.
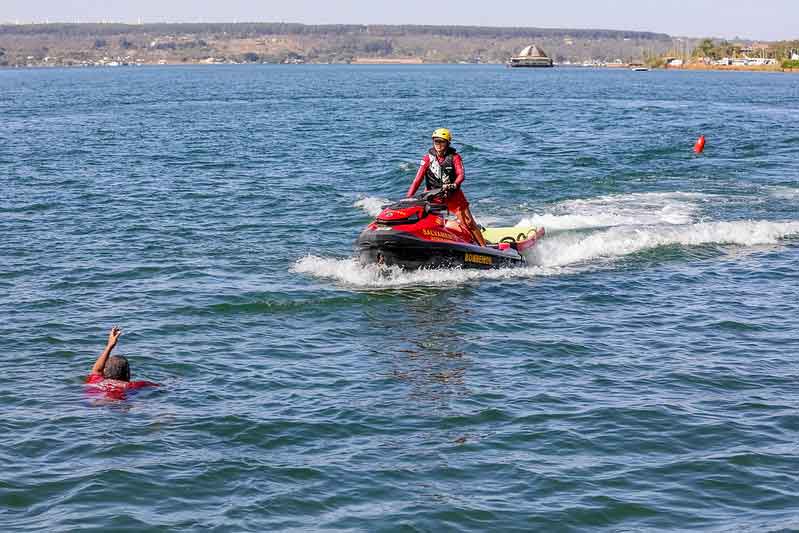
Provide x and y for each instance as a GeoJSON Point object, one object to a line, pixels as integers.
{"type": "Point", "coordinates": [640, 374]}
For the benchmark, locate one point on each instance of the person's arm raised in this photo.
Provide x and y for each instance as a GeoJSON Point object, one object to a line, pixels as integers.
{"type": "Point", "coordinates": [113, 337]}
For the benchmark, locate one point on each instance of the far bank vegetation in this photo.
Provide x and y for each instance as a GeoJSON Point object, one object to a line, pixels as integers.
{"type": "Point", "coordinates": [76, 44]}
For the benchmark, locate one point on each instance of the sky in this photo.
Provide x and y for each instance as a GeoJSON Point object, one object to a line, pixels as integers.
{"type": "Point", "coordinates": [765, 20]}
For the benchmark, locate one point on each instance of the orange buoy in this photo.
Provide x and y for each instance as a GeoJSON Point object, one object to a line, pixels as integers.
{"type": "Point", "coordinates": [700, 144]}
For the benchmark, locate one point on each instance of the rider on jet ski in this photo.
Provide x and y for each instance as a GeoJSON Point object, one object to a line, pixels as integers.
{"type": "Point", "coordinates": [442, 168]}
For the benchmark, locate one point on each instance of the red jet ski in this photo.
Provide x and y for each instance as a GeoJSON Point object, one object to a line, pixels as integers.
{"type": "Point", "coordinates": [415, 233]}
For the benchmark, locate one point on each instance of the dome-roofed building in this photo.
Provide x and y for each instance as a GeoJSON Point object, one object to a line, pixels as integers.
{"type": "Point", "coordinates": [531, 56]}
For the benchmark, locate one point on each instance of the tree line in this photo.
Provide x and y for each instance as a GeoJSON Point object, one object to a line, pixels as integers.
{"type": "Point", "coordinates": [247, 29]}
{"type": "Point", "coordinates": [720, 49]}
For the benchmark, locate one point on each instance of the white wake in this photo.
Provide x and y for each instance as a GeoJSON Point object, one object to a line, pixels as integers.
{"type": "Point", "coordinates": [579, 233]}
{"type": "Point", "coordinates": [371, 205]}
{"type": "Point", "coordinates": [569, 248]}
{"type": "Point", "coordinates": [620, 210]}
{"type": "Point", "coordinates": [349, 272]}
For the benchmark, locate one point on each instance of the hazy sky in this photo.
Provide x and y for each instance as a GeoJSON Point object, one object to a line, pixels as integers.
{"type": "Point", "coordinates": [767, 20]}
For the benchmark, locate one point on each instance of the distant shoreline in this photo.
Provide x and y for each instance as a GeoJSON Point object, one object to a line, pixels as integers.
{"type": "Point", "coordinates": [408, 62]}
{"type": "Point", "coordinates": [101, 44]}
{"type": "Point", "coordinates": [112, 44]}
{"type": "Point", "coordinates": [387, 61]}
{"type": "Point", "coordinates": [733, 68]}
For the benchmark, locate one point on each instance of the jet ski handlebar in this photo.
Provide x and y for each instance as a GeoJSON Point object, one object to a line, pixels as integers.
{"type": "Point", "coordinates": [435, 199]}
{"type": "Point", "coordinates": [434, 196]}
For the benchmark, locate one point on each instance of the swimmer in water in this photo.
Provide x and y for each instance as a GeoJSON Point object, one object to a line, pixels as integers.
{"type": "Point", "coordinates": [111, 374]}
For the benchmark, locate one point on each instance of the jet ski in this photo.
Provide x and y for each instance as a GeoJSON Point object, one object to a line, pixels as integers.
{"type": "Point", "coordinates": [415, 233]}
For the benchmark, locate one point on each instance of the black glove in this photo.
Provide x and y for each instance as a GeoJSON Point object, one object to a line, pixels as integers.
{"type": "Point", "coordinates": [449, 188]}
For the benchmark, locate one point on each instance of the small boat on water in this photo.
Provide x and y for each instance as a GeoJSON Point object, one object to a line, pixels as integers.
{"type": "Point", "coordinates": [639, 69]}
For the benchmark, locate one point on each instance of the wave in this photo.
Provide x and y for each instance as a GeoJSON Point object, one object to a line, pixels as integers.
{"type": "Point", "coordinates": [555, 253]}
{"type": "Point", "coordinates": [578, 233]}
{"type": "Point", "coordinates": [569, 248]}
{"type": "Point", "coordinates": [349, 272]}
{"type": "Point", "coordinates": [371, 205]}
{"type": "Point", "coordinates": [783, 192]}
{"type": "Point", "coordinates": [620, 210]}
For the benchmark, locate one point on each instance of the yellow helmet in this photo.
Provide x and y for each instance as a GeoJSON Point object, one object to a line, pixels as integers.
{"type": "Point", "coordinates": [443, 133]}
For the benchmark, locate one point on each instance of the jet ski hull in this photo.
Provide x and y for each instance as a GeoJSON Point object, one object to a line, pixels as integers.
{"type": "Point", "coordinates": [388, 247]}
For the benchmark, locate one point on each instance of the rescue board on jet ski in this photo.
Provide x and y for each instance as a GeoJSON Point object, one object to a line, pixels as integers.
{"type": "Point", "coordinates": [415, 233]}
{"type": "Point", "coordinates": [523, 237]}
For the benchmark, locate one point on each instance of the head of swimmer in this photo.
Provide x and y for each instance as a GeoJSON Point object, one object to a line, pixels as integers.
{"type": "Point", "coordinates": [117, 368]}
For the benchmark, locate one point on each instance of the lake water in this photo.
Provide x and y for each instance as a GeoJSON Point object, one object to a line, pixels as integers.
{"type": "Point", "coordinates": [639, 375]}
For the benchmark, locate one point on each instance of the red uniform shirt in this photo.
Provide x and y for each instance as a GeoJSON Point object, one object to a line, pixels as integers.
{"type": "Point", "coordinates": [456, 200]}
{"type": "Point", "coordinates": [113, 388]}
